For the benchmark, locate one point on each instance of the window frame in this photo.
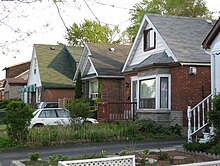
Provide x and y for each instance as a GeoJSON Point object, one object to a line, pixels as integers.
{"type": "Point", "coordinates": [93, 95]}
{"type": "Point", "coordinates": [158, 90]}
{"type": "Point", "coordinates": [145, 40]}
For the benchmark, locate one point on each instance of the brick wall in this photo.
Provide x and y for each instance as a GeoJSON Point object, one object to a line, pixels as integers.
{"type": "Point", "coordinates": [54, 94]}
{"type": "Point", "coordinates": [113, 90]}
{"type": "Point", "coordinates": [189, 90]}
{"type": "Point", "coordinates": [16, 70]}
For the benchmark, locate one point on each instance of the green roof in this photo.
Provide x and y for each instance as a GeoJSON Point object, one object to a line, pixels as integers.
{"type": "Point", "coordinates": [56, 65]}
{"type": "Point", "coordinates": [76, 52]}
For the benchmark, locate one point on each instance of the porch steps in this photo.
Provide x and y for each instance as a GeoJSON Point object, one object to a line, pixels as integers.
{"type": "Point", "coordinates": [206, 136]}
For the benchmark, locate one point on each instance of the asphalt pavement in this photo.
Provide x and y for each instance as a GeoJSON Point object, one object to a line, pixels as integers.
{"type": "Point", "coordinates": [80, 149]}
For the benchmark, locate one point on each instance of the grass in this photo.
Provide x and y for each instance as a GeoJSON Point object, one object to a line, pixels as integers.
{"type": "Point", "coordinates": [2, 127]}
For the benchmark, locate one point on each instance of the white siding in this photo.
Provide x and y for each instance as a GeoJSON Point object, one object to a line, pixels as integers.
{"type": "Point", "coordinates": [91, 70]}
{"type": "Point", "coordinates": [34, 78]}
{"type": "Point", "coordinates": [140, 54]}
{"type": "Point", "coordinates": [217, 38]}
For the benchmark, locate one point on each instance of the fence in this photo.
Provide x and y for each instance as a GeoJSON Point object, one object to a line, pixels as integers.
{"type": "Point", "coordinates": [110, 111]}
{"type": "Point", "coordinates": [121, 160]}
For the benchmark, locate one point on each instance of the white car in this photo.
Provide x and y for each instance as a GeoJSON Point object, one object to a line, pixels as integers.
{"type": "Point", "coordinates": [55, 116]}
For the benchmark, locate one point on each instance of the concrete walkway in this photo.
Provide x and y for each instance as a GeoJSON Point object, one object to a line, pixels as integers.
{"type": "Point", "coordinates": [80, 149]}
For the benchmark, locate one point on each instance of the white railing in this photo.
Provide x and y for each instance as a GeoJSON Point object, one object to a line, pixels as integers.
{"type": "Point", "coordinates": [197, 116]}
{"type": "Point", "coordinates": [111, 161]}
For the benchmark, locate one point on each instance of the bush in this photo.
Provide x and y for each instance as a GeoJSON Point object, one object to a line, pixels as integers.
{"type": "Point", "coordinates": [214, 118]}
{"type": "Point", "coordinates": [79, 108]}
{"type": "Point", "coordinates": [215, 149]}
{"type": "Point", "coordinates": [17, 119]}
{"type": "Point", "coordinates": [34, 156]}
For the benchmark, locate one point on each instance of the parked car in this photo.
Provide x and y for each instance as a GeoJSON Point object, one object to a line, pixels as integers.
{"type": "Point", "coordinates": [55, 116]}
{"type": "Point", "coordinates": [47, 105]}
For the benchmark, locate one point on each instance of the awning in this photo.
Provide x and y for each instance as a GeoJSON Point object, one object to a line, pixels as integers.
{"type": "Point", "coordinates": [30, 88]}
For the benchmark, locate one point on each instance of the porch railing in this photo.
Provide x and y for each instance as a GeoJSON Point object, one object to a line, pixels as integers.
{"type": "Point", "coordinates": [110, 111]}
{"type": "Point", "coordinates": [197, 116]}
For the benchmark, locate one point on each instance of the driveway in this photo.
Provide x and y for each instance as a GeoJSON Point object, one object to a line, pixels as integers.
{"type": "Point", "coordinates": [80, 149]}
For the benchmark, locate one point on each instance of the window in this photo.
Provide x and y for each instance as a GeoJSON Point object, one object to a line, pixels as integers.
{"type": "Point", "coordinates": [147, 93]}
{"type": "Point", "coordinates": [48, 114]}
{"type": "Point", "coordinates": [93, 88]}
{"type": "Point", "coordinates": [153, 92]}
{"type": "Point", "coordinates": [164, 92]}
{"type": "Point", "coordinates": [62, 113]}
{"type": "Point", "coordinates": [149, 39]}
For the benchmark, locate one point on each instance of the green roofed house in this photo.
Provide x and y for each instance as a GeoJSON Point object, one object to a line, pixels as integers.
{"type": "Point", "coordinates": [51, 72]}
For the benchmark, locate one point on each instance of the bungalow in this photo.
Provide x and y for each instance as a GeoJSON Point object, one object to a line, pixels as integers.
{"type": "Point", "coordinates": [51, 72]}
{"type": "Point", "coordinates": [16, 79]}
{"type": "Point", "coordinates": [100, 67]}
{"type": "Point", "coordinates": [167, 68]}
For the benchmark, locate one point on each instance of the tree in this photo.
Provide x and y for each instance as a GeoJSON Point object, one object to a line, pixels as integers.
{"type": "Point", "coordinates": [190, 8]}
{"type": "Point", "coordinates": [78, 88]}
{"type": "Point", "coordinates": [91, 31]}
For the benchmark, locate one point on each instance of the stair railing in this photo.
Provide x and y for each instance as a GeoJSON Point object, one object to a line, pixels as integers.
{"type": "Point", "coordinates": [197, 116]}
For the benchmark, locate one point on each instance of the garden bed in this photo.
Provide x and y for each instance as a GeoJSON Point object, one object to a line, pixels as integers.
{"type": "Point", "coordinates": [154, 157]}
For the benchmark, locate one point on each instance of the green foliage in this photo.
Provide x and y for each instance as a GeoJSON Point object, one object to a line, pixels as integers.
{"type": "Point", "coordinates": [123, 152]}
{"type": "Point", "coordinates": [215, 149]}
{"type": "Point", "coordinates": [5, 102]}
{"type": "Point", "coordinates": [78, 88]}
{"type": "Point", "coordinates": [79, 108]}
{"type": "Point", "coordinates": [214, 118]}
{"type": "Point", "coordinates": [190, 8]}
{"type": "Point", "coordinates": [198, 147]}
{"type": "Point", "coordinates": [17, 119]}
{"type": "Point", "coordinates": [34, 156]}
{"type": "Point", "coordinates": [91, 31]}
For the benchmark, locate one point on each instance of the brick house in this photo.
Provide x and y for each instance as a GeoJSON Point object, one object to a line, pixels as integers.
{"type": "Point", "coordinates": [16, 79]}
{"type": "Point", "coordinates": [100, 66]}
{"type": "Point", "coordinates": [51, 72]}
{"type": "Point", "coordinates": [167, 69]}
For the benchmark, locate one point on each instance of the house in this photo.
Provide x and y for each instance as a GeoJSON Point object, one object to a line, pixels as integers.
{"type": "Point", "coordinates": [51, 72]}
{"type": "Point", "coordinates": [198, 122]}
{"type": "Point", "coordinates": [16, 79]}
{"type": "Point", "coordinates": [212, 45]}
{"type": "Point", "coordinates": [100, 67]}
{"type": "Point", "coordinates": [167, 68]}
{"type": "Point", "coordinates": [1, 89]}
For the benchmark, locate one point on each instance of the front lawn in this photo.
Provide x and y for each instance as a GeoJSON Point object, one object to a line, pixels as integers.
{"type": "Point", "coordinates": [90, 133]}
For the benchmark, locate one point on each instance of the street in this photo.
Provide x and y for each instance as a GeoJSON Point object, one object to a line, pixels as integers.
{"type": "Point", "coordinates": [80, 149]}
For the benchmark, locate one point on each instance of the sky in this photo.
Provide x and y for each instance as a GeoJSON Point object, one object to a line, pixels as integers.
{"type": "Point", "coordinates": [39, 23]}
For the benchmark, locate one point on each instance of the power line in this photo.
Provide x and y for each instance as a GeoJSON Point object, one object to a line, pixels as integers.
{"type": "Point", "coordinates": [92, 11]}
{"type": "Point", "coordinates": [110, 5]}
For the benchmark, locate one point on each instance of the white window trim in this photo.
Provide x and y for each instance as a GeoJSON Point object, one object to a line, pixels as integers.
{"type": "Point", "coordinates": [157, 106]}
{"type": "Point", "coordinates": [90, 89]}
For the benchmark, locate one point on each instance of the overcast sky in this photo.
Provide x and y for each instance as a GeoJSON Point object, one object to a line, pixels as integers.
{"type": "Point", "coordinates": [40, 23]}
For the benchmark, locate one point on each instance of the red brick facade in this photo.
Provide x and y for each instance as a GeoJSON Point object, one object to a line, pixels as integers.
{"type": "Point", "coordinates": [15, 70]}
{"type": "Point", "coordinates": [54, 94]}
{"type": "Point", "coordinates": [189, 90]}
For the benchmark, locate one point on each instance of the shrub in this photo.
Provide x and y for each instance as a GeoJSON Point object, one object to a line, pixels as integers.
{"type": "Point", "coordinates": [214, 118]}
{"type": "Point", "coordinates": [163, 156]}
{"type": "Point", "coordinates": [79, 108]}
{"type": "Point", "coordinates": [34, 156]}
{"type": "Point", "coordinates": [17, 119]}
{"type": "Point", "coordinates": [215, 149]}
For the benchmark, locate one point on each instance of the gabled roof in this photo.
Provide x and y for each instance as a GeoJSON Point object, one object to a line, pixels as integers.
{"type": "Point", "coordinates": [181, 35]}
{"type": "Point", "coordinates": [108, 59]}
{"type": "Point", "coordinates": [211, 35]}
{"type": "Point", "coordinates": [16, 81]}
{"type": "Point", "coordinates": [56, 65]}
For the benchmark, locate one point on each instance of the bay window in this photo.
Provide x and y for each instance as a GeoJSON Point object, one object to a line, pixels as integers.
{"type": "Point", "coordinates": [154, 92]}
